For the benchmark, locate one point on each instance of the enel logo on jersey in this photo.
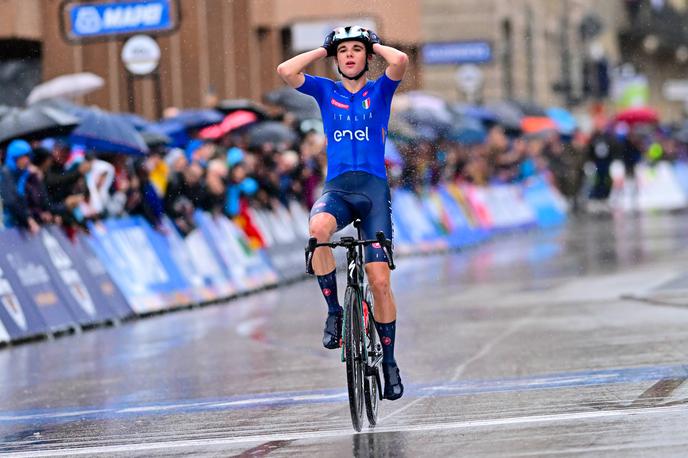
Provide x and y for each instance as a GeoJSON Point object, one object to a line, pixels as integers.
{"type": "Point", "coordinates": [359, 135]}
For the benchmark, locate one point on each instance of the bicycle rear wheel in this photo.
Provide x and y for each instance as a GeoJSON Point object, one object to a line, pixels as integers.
{"type": "Point", "coordinates": [371, 389]}
{"type": "Point", "coordinates": [353, 350]}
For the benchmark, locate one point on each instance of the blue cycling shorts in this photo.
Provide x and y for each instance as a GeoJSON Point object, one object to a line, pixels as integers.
{"type": "Point", "coordinates": [360, 195]}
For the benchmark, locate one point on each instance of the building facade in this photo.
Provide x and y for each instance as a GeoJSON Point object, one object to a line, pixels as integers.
{"type": "Point", "coordinates": [536, 50]}
{"type": "Point", "coordinates": [219, 49]}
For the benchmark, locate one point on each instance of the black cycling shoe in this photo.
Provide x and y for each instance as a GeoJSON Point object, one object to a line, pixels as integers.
{"type": "Point", "coordinates": [332, 335]}
{"type": "Point", "coordinates": [394, 389]}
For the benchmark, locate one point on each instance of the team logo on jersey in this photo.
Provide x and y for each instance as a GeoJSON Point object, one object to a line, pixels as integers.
{"type": "Point", "coordinates": [366, 103]}
{"type": "Point", "coordinates": [338, 104]}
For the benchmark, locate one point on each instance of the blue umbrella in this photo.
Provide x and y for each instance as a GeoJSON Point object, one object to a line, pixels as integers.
{"type": "Point", "coordinates": [106, 132]}
{"type": "Point", "coordinates": [138, 122]}
{"type": "Point", "coordinates": [566, 123]}
{"type": "Point", "coordinates": [152, 134]}
{"type": "Point", "coordinates": [468, 131]}
{"type": "Point", "coordinates": [177, 127]}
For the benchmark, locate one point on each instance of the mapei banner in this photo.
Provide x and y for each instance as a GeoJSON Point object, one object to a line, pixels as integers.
{"type": "Point", "coordinates": [110, 18]}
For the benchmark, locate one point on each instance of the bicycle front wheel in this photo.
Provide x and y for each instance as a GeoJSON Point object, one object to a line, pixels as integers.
{"type": "Point", "coordinates": [371, 388]}
{"type": "Point", "coordinates": [353, 351]}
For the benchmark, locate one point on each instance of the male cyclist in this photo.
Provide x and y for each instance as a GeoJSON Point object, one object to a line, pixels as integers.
{"type": "Point", "coordinates": [355, 115]}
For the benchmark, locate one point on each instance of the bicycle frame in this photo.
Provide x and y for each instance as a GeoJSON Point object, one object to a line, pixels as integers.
{"type": "Point", "coordinates": [355, 348]}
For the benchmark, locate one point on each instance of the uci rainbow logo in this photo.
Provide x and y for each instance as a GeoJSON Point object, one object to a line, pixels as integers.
{"type": "Point", "coordinates": [366, 103]}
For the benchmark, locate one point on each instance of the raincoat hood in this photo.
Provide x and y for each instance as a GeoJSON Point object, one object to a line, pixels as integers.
{"type": "Point", "coordinates": [15, 150]}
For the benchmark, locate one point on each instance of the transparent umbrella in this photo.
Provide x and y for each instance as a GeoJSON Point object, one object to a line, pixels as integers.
{"type": "Point", "coordinates": [73, 85]}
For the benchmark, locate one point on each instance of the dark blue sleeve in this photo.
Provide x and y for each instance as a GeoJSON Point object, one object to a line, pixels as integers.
{"type": "Point", "coordinates": [315, 86]}
{"type": "Point", "coordinates": [387, 87]}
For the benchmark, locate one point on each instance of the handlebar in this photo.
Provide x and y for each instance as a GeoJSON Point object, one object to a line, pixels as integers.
{"type": "Point", "coordinates": [350, 243]}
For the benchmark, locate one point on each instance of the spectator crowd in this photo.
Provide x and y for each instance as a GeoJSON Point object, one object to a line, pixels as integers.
{"type": "Point", "coordinates": [52, 181]}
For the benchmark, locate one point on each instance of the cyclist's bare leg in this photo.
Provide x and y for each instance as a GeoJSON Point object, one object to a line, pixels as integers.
{"type": "Point", "coordinates": [322, 226]}
{"type": "Point", "coordinates": [379, 281]}
{"type": "Point", "coordinates": [385, 322]}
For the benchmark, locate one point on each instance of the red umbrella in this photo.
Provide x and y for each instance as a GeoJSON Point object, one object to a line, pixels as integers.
{"type": "Point", "coordinates": [231, 122]}
{"type": "Point", "coordinates": [537, 124]}
{"type": "Point", "coordinates": [638, 115]}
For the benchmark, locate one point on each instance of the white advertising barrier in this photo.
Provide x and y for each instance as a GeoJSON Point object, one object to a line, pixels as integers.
{"type": "Point", "coordinates": [656, 187]}
{"type": "Point", "coordinates": [507, 207]}
{"type": "Point", "coordinates": [207, 267]}
{"type": "Point", "coordinates": [256, 271]}
{"type": "Point", "coordinates": [4, 336]}
{"type": "Point", "coordinates": [477, 199]}
{"type": "Point", "coordinates": [300, 216]}
{"type": "Point", "coordinates": [282, 244]}
{"type": "Point", "coordinates": [409, 212]}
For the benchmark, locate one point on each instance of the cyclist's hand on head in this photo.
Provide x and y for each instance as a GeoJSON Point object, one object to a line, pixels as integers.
{"type": "Point", "coordinates": [373, 38]}
{"type": "Point", "coordinates": [328, 44]}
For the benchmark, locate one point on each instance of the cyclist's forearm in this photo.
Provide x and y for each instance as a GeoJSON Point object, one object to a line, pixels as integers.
{"type": "Point", "coordinates": [392, 56]}
{"type": "Point", "coordinates": [298, 63]}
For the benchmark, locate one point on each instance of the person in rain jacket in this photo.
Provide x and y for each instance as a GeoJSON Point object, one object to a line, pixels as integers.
{"type": "Point", "coordinates": [13, 181]}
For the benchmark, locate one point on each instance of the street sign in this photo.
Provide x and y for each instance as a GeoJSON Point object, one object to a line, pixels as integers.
{"type": "Point", "coordinates": [458, 52]}
{"type": "Point", "coordinates": [106, 19]}
{"type": "Point", "coordinates": [141, 55]}
{"type": "Point", "coordinates": [469, 79]}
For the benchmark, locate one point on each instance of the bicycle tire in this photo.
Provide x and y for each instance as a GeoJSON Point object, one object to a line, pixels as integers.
{"type": "Point", "coordinates": [353, 338]}
{"type": "Point", "coordinates": [370, 382]}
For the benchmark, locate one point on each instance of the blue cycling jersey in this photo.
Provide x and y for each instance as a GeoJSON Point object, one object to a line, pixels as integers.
{"type": "Point", "coordinates": [355, 124]}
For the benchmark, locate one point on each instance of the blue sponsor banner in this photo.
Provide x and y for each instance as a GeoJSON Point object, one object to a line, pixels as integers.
{"type": "Point", "coordinates": [117, 18]}
{"type": "Point", "coordinates": [18, 312]}
{"type": "Point", "coordinates": [70, 285]}
{"type": "Point", "coordinates": [22, 267]}
{"type": "Point", "coordinates": [125, 249]}
{"type": "Point", "coordinates": [539, 196]}
{"type": "Point", "coordinates": [91, 296]}
{"type": "Point", "coordinates": [457, 52]}
{"type": "Point", "coordinates": [92, 267]}
{"type": "Point", "coordinates": [681, 171]}
{"type": "Point", "coordinates": [177, 289]}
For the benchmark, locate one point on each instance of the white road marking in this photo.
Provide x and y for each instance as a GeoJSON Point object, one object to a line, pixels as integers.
{"type": "Point", "coordinates": [482, 352]}
{"type": "Point", "coordinates": [261, 438]}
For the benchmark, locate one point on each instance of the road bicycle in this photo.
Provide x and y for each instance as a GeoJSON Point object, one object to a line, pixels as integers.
{"type": "Point", "coordinates": [361, 348]}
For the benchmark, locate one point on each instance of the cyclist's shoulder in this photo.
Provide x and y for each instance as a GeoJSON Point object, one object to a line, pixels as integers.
{"type": "Point", "coordinates": [320, 80]}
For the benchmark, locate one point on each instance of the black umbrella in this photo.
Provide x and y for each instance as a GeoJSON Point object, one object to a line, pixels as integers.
{"type": "Point", "coordinates": [155, 138]}
{"type": "Point", "coordinates": [529, 108]}
{"type": "Point", "coordinates": [301, 105]}
{"type": "Point", "coordinates": [228, 106]}
{"type": "Point", "coordinates": [36, 122]}
{"type": "Point", "coordinates": [270, 132]}
{"type": "Point", "coordinates": [508, 115]}
{"type": "Point", "coordinates": [423, 118]}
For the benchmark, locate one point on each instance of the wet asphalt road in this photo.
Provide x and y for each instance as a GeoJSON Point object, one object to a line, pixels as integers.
{"type": "Point", "coordinates": [571, 341]}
